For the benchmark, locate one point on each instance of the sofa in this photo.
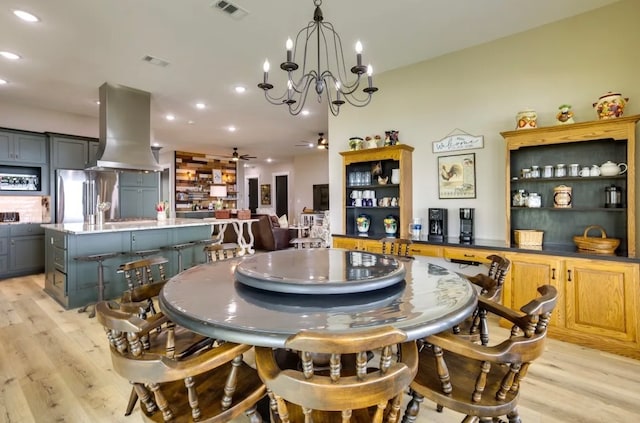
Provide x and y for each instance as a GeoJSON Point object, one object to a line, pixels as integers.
{"type": "Point", "coordinates": [267, 233]}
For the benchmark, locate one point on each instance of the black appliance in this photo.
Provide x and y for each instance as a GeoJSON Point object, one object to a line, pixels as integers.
{"type": "Point", "coordinates": [466, 225]}
{"type": "Point", "coordinates": [437, 225]}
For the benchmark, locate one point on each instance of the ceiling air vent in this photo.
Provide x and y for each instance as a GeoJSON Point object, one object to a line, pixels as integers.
{"type": "Point", "coordinates": [230, 9]}
{"type": "Point", "coordinates": [155, 61]}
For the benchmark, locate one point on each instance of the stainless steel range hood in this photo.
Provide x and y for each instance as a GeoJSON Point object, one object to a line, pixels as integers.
{"type": "Point", "coordinates": [125, 130]}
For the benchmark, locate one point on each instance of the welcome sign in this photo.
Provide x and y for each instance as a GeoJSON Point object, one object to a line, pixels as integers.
{"type": "Point", "coordinates": [458, 142]}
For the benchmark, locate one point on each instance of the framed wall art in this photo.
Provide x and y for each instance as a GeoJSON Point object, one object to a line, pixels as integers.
{"type": "Point", "coordinates": [265, 195]}
{"type": "Point", "coordinates": [457, 176]}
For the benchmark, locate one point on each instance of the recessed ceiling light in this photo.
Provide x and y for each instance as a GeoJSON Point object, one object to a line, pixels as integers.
{"type": "Point", "coordinates": [156, 144]}
{"type": "Point", "coordinates": [240, 89]}
{"type": "Point", "coordinates": [305, 112]}
{"type": "Point", "coordinates": [190, 122]}
{"type": "Point", "coordinates": [97, 102]}
{"type": "Point", "coordinates": [26, 16]}
{"type": "Point", "coordinates": [9, 55]}
{"type": "Point", "coordinates": [232, 129]}
{"type": "Point", "coordinates": [200, 105]}
{"type": "Point", "coordinates": [3, 81]}
{"type": "Point", "coordinates": [170, 117]}
{"type": "Point", "coordinates": [269, 160]}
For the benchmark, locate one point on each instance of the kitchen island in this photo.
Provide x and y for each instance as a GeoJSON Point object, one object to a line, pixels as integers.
{"type": "Point", "coordinates": [73, 283]}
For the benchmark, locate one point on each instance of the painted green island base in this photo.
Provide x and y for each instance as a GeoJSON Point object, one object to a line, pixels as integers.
{"type": "Point", "coordinates": [73, 283]}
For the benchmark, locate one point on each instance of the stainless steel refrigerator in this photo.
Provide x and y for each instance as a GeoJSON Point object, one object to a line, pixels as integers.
{"type": "Point", "coordinates": [79, 191]}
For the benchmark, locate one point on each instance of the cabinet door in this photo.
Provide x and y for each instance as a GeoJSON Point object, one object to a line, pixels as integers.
{"type": "Point", "coordinates": [139, 179]}
{"type": "Point", "coordinates": [67, 153]}
{"type": "Point", "coordinates": [601, 298]}
{"type": "Point", "coordinates": [528, 272]}
{"type": "Point", "coordinates": [93, 151]}
{"type": "Point", "coordinates": [30, 148]}
{"type": "Point", "coordinates": [148, 200]}
{"type": "Point", "coordinates": [138, 202]}
{"type": "Point", "coordinates": [129, 201]}
{"type": "Point", "coordinates": [26, 253]}
{"type": "Point", "coordinates": [6, 150]}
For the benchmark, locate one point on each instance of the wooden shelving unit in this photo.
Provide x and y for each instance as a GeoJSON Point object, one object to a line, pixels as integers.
{"type": "Point", "coordinates": [195, 173]}
{"type": "Point", "coordinates": [390, 157]}
{"type": "Point", "coordinates": [585, 143]}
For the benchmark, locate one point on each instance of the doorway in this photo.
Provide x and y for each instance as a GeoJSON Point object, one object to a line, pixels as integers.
{"type": "Point", "coordinates": [282, 194]}
{"type": "Point", "coordinates": [253, 194]}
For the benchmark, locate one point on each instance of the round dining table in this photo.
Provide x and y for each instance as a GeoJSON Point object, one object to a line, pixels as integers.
{"type": "Point", "coordinates": [264, 299]}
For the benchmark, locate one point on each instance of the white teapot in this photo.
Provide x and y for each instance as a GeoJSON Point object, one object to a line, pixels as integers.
{"type": "Point", "coordinates": [609, 168]}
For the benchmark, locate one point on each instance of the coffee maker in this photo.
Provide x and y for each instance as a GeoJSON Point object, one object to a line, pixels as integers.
{"type": "Point", "coordinates": [466, 225]}
{"type": "Point", "coordinates": [437, 225]}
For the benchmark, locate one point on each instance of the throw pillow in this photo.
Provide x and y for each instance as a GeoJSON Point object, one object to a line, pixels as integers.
{"type": "Point", "coordinates": [274, 221]}
{"type": "Point", "coordinates": [284, 223]}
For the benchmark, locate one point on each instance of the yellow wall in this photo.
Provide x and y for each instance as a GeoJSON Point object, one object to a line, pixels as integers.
{"type": "Point", "coordinates": [479, 90]}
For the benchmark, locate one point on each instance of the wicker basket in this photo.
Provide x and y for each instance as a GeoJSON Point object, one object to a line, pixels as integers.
{"type": "Point", "coordinates": [597, 245]}
{"type": "Point", "coordinates": [222, 214]}
{"type": "Point", "coordinates": [244, 214]}
{"type": "Point", "coordinates": [528, 238]}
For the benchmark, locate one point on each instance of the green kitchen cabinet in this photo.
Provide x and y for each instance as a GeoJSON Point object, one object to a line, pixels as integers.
{"type": "Point", "coordinates": [18, 147]}
{"type": "Point", "coordinates": [138, 202]}
{"type": "Point", "coordinates": [69, 152]}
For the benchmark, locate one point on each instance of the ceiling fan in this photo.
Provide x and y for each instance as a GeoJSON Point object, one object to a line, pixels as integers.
{"type": "Point", "coordinates": [236, 156]}
{"type": "Point", "coordinates": [321, 144]}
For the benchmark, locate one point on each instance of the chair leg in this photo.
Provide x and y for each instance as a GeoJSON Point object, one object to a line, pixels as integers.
{"type": "Point", "coordinates": [253, 415]}
{"type": "Point", "coordinates": [514, 416]}
{"type": "Point", "coordinates": [413, 408]}
{"type": "Point", "coordinates": [133, 399]}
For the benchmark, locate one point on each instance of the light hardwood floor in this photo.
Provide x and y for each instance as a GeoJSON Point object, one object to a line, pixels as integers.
{"type": "Point", "coordinates": [55, 367]}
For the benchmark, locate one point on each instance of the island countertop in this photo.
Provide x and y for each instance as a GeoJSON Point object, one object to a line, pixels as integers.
{"type": "Point", "coordinates": [134, 225]}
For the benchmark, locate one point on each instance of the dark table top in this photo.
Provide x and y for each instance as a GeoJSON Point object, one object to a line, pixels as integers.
{"type": "Point", "coordinates": [414, 296]}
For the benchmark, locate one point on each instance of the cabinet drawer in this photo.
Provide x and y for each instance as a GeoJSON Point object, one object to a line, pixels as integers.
{"type": "Point", "coordinates": [27, 229]}
{"type": "Point", "coordinates": [426, 250]}
{"type": "Point", "coordinates": [467, 254]}
{"type": "Point", "coordinates": [60, 281]}
{"type": "Point", "coordinates": [60, 258]}
{"type": "Point", "coordinates": [58, 239]}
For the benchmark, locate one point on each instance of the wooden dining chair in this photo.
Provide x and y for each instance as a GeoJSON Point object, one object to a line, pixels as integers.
{"type": "Point", "coordinates": [179, 375]}
{"type": "Point", "coordinates": [482, 382]}
{"type": "Point", "coordinates": [476, 327]}
{"type": "Point", "coordinates": [397, 247]}
{"type": "Point", "coordinates": [333, 380]}
{"type": "Point", "coordinates": [144, 278]}
{"type": "Point", "coordinates": [217, 252]}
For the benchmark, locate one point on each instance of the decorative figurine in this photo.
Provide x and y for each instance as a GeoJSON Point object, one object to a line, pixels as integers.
{"type": "Point", "coordinates": [565, 115]}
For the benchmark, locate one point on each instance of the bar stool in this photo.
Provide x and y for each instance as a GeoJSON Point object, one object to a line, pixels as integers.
{"type": "Point", "coordinates": [145, 253]}
{"type": "Point", "coordinates": [99, 258]}
{"type": "Point", "coordinates": [178, 248]}
{"type": "Point", "coordinates": [204, 243]}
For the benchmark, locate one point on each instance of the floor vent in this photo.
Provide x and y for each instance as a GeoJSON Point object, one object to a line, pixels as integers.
{"type": "Point", "coordinates": [230, 9]}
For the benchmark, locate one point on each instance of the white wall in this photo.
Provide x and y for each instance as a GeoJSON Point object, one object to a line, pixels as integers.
{"type": "Point", "coordinates": [480, 90]}
{"type": "Point", "coordinates": [266, 175]}
{"type": "Point", "coordinates": [309, 169]}
{"type": "Point", "coordinates": [26, 118]}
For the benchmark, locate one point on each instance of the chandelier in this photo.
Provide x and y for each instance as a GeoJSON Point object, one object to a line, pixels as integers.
{"type": "Point", "coordinates": [318, 37]}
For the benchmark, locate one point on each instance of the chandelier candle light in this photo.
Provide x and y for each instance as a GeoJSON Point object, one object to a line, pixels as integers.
{"type": "Point", "coordinates": [331, 81]}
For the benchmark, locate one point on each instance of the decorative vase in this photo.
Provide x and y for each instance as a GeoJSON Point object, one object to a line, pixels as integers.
{"type": "Point", "coordinates": [610, 105]}
{"type": "Point", "coordinates": [395, 176]}
{"type": "Point", "coordinates": [363, 222]}
{"type": "Point", "coordinates": [390, 225]}
{"type": "Point", "coordinates": [162, 215]}
{"type": "Point", "coordinates": [527, 119]}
